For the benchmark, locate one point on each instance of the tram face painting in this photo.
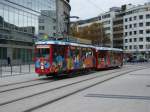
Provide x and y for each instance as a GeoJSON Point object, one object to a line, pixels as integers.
{"type": "Point", "coordinates": [76, 58]}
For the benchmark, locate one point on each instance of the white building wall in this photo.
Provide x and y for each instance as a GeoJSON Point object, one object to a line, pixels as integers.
{"type": "Point", "coordinates": [136, 44]}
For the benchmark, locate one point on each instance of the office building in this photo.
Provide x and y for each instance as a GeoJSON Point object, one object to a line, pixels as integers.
{"type": "Point", "coordinates": [19, 23]}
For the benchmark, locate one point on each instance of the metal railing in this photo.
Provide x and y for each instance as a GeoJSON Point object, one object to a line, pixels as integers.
{"type": "Point", "coordinates": [13, 70]}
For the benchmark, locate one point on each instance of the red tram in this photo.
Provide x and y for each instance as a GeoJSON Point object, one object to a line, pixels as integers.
{"type": "Point", "coordinates": [56, 57]}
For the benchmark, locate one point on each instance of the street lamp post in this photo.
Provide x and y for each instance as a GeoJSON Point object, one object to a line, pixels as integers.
{"type": "Point", "coordinates": [67, 20]}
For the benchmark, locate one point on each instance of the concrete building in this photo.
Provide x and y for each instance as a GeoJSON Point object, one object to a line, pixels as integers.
{"type": "Point", "coordinates": [118, 29]}
{"type": "Point", "coordinates": [63, 9]}
{"type": "Point", "coordinates": [137, 30]}
{"type": "Point", "coordinates": [106, 19]}
{"type": "Point", "coordinates": [47, 24]}
{"type": "Point", "coordinates": [18, 25]}
{"type": "Point", "coordinates": [56, 23]}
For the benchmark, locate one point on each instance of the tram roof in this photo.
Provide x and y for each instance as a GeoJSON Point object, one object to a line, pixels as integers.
{"type": "Point", "coordinates": [62, 43]}
{"type": "Point", "coordinates": [108, 49]}
{"type": "Point", "coordinates": [76, 44]}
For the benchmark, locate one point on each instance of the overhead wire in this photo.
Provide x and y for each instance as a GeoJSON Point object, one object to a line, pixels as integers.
{"type": "Point", "coordinates": [95, 5]}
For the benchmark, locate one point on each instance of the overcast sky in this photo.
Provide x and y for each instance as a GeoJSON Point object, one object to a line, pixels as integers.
{"type": "Point", "coordinates": [91, 8]}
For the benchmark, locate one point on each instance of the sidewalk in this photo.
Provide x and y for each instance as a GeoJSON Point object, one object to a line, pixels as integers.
{"type": "Point", "coordinates": [18, 78]}
{"type": "Point", "coordinates": [6, 71]}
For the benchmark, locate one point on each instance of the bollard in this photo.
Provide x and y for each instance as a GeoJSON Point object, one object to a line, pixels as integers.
{"type": "Point", "coordinates": [11, 69]}
{"type": "Point", "coordinates": [29, 68]}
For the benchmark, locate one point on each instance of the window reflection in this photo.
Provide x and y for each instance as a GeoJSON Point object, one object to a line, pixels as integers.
{"type": "Point", "coordinates": [21, 19]}
{"type": "Point", "coordinates": [36, 5]}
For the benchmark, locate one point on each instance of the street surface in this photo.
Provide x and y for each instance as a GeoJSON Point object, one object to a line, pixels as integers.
{"type": "Point", "coordinates": [118, 90]}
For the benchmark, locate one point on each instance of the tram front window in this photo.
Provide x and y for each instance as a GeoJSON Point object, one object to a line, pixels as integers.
{"type": "Point", "coordinates": [42, 52]}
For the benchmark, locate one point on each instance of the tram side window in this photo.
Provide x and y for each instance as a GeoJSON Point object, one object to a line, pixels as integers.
{"type": "Point", "coordinates": [43, 52]}
{"type": "Point", "coordinates": [83, 53]}
{"type": "Point", "coordinates": [58, 54]}
{"type": "Point", "coordinates": [102, 57]}
{"type": "Point", "coordinates": [90, 52]}
{"type": "Point", "coordinates": [73, 52]}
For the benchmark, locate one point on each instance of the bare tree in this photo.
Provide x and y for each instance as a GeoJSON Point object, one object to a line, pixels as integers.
{"type": "Point", "coordinates": [94, 32]}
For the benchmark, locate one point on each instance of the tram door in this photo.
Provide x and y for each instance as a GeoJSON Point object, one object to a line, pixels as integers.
{"type": "Point", "coordinates": [102, 59]}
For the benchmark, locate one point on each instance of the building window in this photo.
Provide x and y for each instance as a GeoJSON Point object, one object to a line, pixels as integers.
{"type": "Point", "coordinates": [135, 46]}
{"type": "Point", "coordinates": [141, 17]}
{"type": "Point", "coordinates": [134, 17]}
{"type": "Point", "coordinates": [147, 39]}
{"type": "Point", "coordinates": [41, 20]}
{"type": "Point", "coordinates": [130, 33]}
{"type": "Point", "coordinates": [135, 32]}
{"type": "Point", "coordinates": [130, 47]}
{"type": "Point", "coordinates": [126, 40]}
{"type": "Point", "coordinates": [140, 24]}
{"type": "Point", "coordinates": [130, 19]}
{"type": "Point", "coordinates": [140, 31]}
{"type": "Point", "coordinates": [126, 19]}
{"type": "Point", "coordinates": [54, 34]}
{"type": "Point", "coordinates": [3, 53]}
{"type": "Point", "coordinates": [135, 39]}
{"type": "Point", "coordinates": [107, 28]}
{"type": "Point", "coordinates": [54, 27]}
{"type": "Point", "coordinates": [106, 22]}
{"type": "Point", "coordinates": [41, 27]}
{"type": "Point", "coordinates": [147, 23]}
{"type": "Point", "coordinates": [140, 46]}
{"type": "Point", "coordinates": [147, 31]}
{"type": "Point", "coordinates": [126, 26]}
{"type": "Point", "coordinates": [54, 21]}
{"type": "Point", "coordinates": [126, 47]}
{"type": "Point", "coordinates": [135, 25]}
{"type": "Point", "coordinates": [130, 40]}
{"type": "Point", "coordinates": [147, 16]}
{"type": "Point", "coordinates": [140, 39]}
{"type": "Point", "coordinates": [126, 33]}
{"type": "Point", "coordinates": [130, 25]}
{"type": "Point", "coordinates": [106, 16]}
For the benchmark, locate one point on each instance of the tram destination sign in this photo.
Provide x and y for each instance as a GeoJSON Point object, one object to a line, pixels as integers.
{"type": "Point", "coordinates": [43, 46]}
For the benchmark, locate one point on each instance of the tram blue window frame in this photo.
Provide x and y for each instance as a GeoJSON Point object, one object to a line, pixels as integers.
{"type": "Point", "coordinates": [43, 52]}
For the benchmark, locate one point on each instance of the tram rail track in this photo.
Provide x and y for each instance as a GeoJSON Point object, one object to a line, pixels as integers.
{"type": "Point", "coordinates": [61, 87]}
{"type": "Point", "coordinates": [26, 86]}
{"type": "Point", "coordinates": [77, 91]}
{"type": "Point", "coordinates": [2, 89]}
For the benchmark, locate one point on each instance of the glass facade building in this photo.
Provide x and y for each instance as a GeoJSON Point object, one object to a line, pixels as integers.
{"type": "Point", "coordinates": [19, 23]}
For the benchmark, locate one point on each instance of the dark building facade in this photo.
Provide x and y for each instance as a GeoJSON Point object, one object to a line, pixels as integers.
{"type": "Point", "coordinates": [19, 24]}
{"type": "Point", "coordinates": [118, 30]}
{"type": "Point", "coordinates": [63, 9]}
